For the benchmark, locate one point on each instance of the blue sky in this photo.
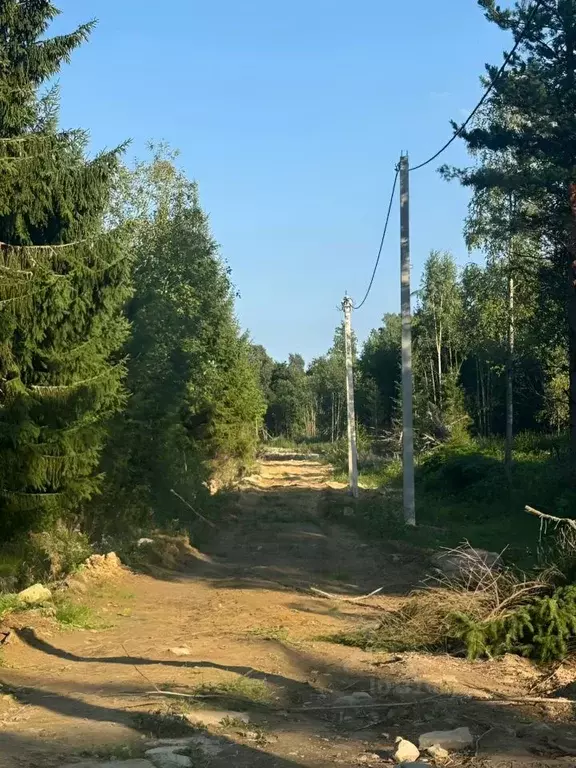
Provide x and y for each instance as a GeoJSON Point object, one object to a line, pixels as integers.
{"type": "Point", "coordinates": [291, 116]}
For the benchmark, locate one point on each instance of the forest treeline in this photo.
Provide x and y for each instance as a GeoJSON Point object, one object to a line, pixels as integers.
{"type": "Point", "coordinates": [124, 375]}
{"type": "Point", "coordinates": [461, 350]}
{"type": "Point", "coordinates": [127, 387]}
{"type": "Point", "coordinates": [494, 344]}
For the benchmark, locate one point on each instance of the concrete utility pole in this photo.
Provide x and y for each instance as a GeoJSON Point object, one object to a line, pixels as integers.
{"type": "Point", "coordinates": [509, 444]}
{"type": "Point", "coordinates": [407, 387]}
{"type": "Point", "coordinates": [510, 379]}
{"type": "Point", "coordinates": [352, 449]}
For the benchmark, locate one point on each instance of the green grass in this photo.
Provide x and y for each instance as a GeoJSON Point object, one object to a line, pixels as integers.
{"type": "Point", "coordinates": [76, 615]}
{"type": "Point", "coordinates": [462, 493]}
{"type": "Point", "coordinates": [297, 446]}
{"type": "Point", "coordinates": [10, 566]}
{"type": "Point", "coordinates": [9, 603]}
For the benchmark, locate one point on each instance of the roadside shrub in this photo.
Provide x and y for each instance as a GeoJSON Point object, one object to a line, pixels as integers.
{"type": "Point", "coordinates": [44, 556]}
{"type": "Point", "coordinates": [57, 552]}
{"type": "Point", "coordinates": [544, 629]}
{"type": "Point", "coordinates": [454, 470]}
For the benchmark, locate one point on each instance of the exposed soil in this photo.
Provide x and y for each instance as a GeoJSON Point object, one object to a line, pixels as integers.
{"type": "Point", "coordinates": [245, 611]}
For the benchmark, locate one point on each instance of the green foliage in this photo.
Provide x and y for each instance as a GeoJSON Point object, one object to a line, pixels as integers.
{"type": "Point", "coordinates": [379, 374]}
{"type": "Point", "coordinates": [46, 555]}
{"type": "Point", "coordinates": [56, 552]}
{"type": "Point", "coordinates": [438, 327]}
{"type": "Point", "coordinates": [290, 408]}
{"type": "Point", "coordinates": [9, 603]}
{"type": "Point", "coordinates": [196, 403]}
{"type": "Point", "coordinates": [455, 469]}
{"type": "Point", "coordinates": [522, 183]}
{"type": "Point", "coordinates": [64, 282]}
{"type": "Point", "coordinates": [544, 630]}
{"type": "Point", "coordinates": [162, 724]}
{"type": "Point", "coordinates": [75, 615]}
{"type": "Point", "coordinates": [463, 492]}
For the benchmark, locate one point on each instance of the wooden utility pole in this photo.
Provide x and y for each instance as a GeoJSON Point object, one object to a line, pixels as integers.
{"type": "Point", "coordinates": [407, 387]}
{"type": "Point", "coordinates": [352, 449]}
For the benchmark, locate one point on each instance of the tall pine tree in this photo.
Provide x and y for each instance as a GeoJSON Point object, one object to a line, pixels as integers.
{"type": "Point", "coordinates": [530, 123]}
{"type": "Point", "coordinates": [63, 282]}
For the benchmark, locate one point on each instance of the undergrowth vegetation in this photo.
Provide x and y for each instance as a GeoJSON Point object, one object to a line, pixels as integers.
{"type": "Point", "coordinates": [464, 493]}
{"type": "Point", "coordinates": [75, 615]}
{"type": "Point", "coordinates": [487, 610]}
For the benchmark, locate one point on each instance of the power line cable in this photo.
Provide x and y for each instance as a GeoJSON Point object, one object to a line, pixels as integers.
{"type": "Point", "coordinates": [381, 241]}
{"type": "Point", "coordinates": [488, 90]}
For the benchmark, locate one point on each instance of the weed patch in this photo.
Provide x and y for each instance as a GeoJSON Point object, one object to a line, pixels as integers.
{"type": "Point", "coordinates": [241, 689]}
{"type": "Point", "coordinates": [462, 492]}
{"type": "Point", "coordinates": [75, 615]}
{"type": "Point", "coordinates": [270, 633]}
{"type": "Point", "coordinates": [9, 603]}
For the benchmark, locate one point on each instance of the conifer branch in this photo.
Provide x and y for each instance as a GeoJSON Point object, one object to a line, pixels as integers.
{"type": "Point", "coordinates": [50, 388]}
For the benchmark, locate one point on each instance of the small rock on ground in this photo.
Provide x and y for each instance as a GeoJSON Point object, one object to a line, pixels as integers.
{"type": "Point", "coordinates": [209, 746]}
{"type": "Point", "coordinates": [438, 752]}
{"type": "Point", "coordinates": [168, 757]}
{"type": "Point", "coordinates": [415, 765]}
{"type": "Point", "coordinates": [354, 699]}
{"type": "Point", "coordinates": [406, 752]}
{"type": "Point", "coordinates": [35, 595]}
{"type": "Point", "coordinates": [181, 650]}
{"type": "Point", "coordinates": [459, 738]}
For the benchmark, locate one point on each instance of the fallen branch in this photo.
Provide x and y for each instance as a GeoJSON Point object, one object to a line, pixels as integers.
{"type": "Point", "coordinates": [531, 700]}
{"type": "Point", "coordinates": [543, 516]}
{"type": "Point", "coordinates": [542, 681]}
{"type": "Point", "coordinates": [159, 692]}
{"type": "Point", "coordinates": [151, 682]}
{"type": "Point", "coordinates": [190, 507]}
{"type": "Point", "coordinates": [470, 699]}
{"type": "Point", "coordinates": [337, 708]}
{"type": "Point", "coordinates": [479, 739]}
{"type": "Point", "coordinates": [345, 597]}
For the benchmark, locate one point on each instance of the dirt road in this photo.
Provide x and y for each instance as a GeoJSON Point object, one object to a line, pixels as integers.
{"type": "Point", "coordinates": [242, 628]}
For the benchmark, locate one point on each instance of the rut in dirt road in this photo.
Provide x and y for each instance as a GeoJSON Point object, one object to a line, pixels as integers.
{"type": "Point", "coordinates": [282, 540]}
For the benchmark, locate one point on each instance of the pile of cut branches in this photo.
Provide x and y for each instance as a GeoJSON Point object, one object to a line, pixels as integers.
{"type": "Point", "coordinates": [458, 614]}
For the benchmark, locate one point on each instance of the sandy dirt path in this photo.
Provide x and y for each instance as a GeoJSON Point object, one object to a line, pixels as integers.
{"type": "Point", "coordinates": [253, 630]}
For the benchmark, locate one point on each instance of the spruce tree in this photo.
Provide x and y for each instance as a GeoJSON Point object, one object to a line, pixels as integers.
{"type": "Point", "coordinates": [63, 282]}
{"type": "Point", "coordinates": [196, 406]}
{"type": "Point", "coordinates": [528, 130]}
